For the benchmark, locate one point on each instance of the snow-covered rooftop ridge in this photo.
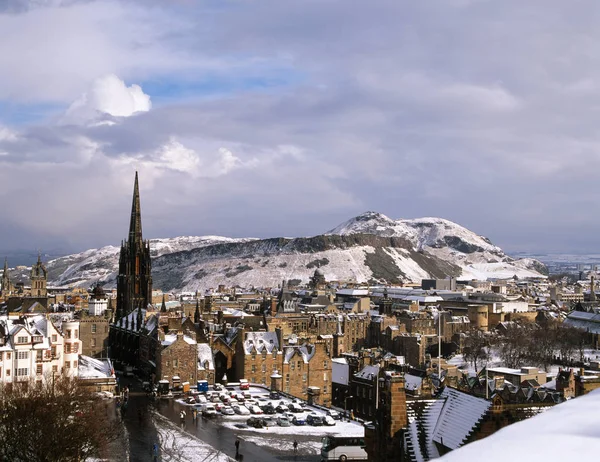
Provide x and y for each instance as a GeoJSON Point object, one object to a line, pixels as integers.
{"type": "Point", "coordinates": [259, 342]}
{"type": "Point", "coordinates": [557, 434]}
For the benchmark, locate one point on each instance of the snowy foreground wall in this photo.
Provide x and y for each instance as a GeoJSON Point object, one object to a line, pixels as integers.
{"type": "Point", "coordinates": [569, 430]}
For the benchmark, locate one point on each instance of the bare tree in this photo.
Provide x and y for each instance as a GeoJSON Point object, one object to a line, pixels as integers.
{"type": "Point", "coordinates": [475, 347]}
{"type": "Point", "coordinates": [512, 346]}
{"type": "Point", "coordinates": [53, 420]}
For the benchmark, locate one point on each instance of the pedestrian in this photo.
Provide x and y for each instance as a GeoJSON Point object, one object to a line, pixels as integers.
{"type": "Point", "coordinates": [237, 447]}
{"type": "Point", "coordinates": [295, 446]}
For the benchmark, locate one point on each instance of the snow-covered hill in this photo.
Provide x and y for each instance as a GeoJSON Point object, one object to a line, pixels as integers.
{"type": "Point", "coordinates": [367, 248]}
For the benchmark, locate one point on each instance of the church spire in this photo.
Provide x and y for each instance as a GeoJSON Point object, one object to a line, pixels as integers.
{"type": "Point", "coordinates": [135, 225]}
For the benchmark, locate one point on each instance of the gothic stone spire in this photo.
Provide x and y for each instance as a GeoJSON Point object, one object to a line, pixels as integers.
{"type": "Point", "coordinates": [135, 225]}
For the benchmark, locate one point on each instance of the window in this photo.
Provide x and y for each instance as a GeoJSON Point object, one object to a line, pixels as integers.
{"type": "Point", "coordinates": [22, 339]}
{"type": "Point", "coordinates": [76, 333]}
{"type": "Point", "coordinates": [253, 368]}
{"type": "Point", "coordinates": [264, 368]}
{"type": "Point", "coordinates": [0, 372]}
{"type": "Point", "coordinates": [75, 364]}
{"type": "Point", "coordinates": [175, 363]}
{"type": "Point", "coordinates": [287, 378]}
{"type": "Point", "coordinates": [93, 342]}
{"type": "Point", "coordinates": [292, 366]}
{"type": "Point", "coordinates": [40, 355]}
{"type": "Point", "coordinates": [22, 355]}
{"type": "Point", "coordinates": [54, 338]}
{"type": "Point", "coordinates": [67, 348]}
{"type": "Point", "coordinates": [0, 356]}
{"type": "Point", "coordinates": [274, 355]}
{"type": "Point", "coordinates": [7, 355]}
{"type": "Point", "coordinates": [68, 364]}
{"type": "Point", "coordinates": [53, 351]}
{"type": "Point", "coordinates": [299, 364]}
{"type": "Point", "coordinates": [253, 356]}
{"type": "Point", "coordinates": [8, 372]}
{"type": "Point", "coordinates": [38, 369]}
{"type": "Point", "coordinates": [325, 364]}
{"type": "Point", "coordinates": [22, 372]}
{"type": "Point", "coordinates": [76, 348]}
{"type": "Point", "coordinates": [93, 328]}
{"type": "Point", "coordinates": [68, 333]}
{"type": "Point", "coordinates": [304, 377]}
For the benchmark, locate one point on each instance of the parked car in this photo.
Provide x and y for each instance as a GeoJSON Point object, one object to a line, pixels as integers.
{"type": "Point", "coordinates": [218, 406]}
{"type": "Point", "coordinates": [244, 385]}
{"type": "Point", "coordinates": [298, 420]}
{"type": "Point", "coordinates": [255, 409]}
{"type": "Point", "coordinates": [246, 394]}
{"type": "Point", "coordinates": [255, 422]}
{"type": "Point", "coordinates": [314, 420]}
{"type": "Point", "coordinates": [283, 421]}
{"type": "Point", "coordinates": [217, 387]}
{"type": "Point", "coordinates": [268, 409]}
{"type": "Point", "coordinates": [209, 411]}
{"type": "Point", "coordinates": [270, 422]}
{"type": "Point", "coordinates": [329, 421]}
{"type": "Point", "coordinates": [281, 408]}
{"type": "Point", "coordinates": [274, 395]}
{"type": "Point", "coordinates": [334, 414]}
{"type": "Point", "coordinates": [227, 410]}
{"type": "Point", "coordinates": [289, 416]}
{"type": "Point", "coordinates": [241, 410]}
{"type": "Point", "coordinates": [240, 397]}
{"type": "Point", "coordinates": [294, 407]}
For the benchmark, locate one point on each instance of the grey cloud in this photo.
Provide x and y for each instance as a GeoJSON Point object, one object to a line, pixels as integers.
{"type": "Point", "coordinates": [481, 112]}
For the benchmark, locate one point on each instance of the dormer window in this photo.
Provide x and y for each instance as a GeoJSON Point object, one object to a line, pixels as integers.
{"type": "Point", "coordinates": [22, 339]}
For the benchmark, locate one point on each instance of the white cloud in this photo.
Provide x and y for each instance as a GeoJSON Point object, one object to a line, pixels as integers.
{"type": "Point", "coordinates": [108, 95]}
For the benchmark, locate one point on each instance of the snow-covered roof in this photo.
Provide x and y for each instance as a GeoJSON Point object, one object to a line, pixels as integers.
{"type": "Point", "coordinates": [170, 339]}
{"type": "Point", "coordinates": [305, 351]}
{"type": "Point", "coordinates": [259, 342]}
{"type": "Point", "coordinates": [368, 372]}
{"type": "Point", "coordinates": [92, 368]}
{"type": "Point", "coordinates": [457, 418]}
{"type": "Point", "coordinates": [556, 434]}
{"type": "Point", "coordinates": [205, 357]}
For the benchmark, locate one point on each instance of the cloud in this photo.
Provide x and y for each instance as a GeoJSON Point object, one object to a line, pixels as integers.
{"type": "Point", "coordinates": [108, 95]}
{"type": "Point", "coordinates": [477, 111]}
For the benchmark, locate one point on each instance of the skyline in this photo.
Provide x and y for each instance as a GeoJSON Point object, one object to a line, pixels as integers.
{"type": "Point", "coordinates": [270, 120]}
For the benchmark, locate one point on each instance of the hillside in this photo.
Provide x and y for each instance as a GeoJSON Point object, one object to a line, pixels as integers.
{"type": "Point", "coordinates": [368, 248]}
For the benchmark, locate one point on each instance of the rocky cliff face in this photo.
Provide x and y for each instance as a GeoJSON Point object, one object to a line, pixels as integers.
{"type": "Point", "coordinates": [368, 248]}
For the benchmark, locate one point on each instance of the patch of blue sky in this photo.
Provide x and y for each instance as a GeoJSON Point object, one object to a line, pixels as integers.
{"type": "Point", "coordinates": [168, 89]}
{"type": "Point", "coordinates": [16, 114]}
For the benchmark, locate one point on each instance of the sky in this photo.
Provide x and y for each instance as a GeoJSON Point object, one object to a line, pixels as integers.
{"type": "Point", "coordinates": [272, 118]}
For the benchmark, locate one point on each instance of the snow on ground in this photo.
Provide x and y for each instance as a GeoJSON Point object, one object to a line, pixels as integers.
{"type": "Point", "coordinates": [339, 429]}
{"type": "Point", "coordinates": [178, 446]}
{"type": "Point", "coordinates": [284, 445]}
{"type": "Point", "coordinates": [561, 433]}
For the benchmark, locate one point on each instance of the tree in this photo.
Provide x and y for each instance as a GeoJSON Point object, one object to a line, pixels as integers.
{"type": "Point", "coordinates": [53, 420]}
{"type": "Point", "coordinates": [513, 345]}
{"type": "Point", "coordinates": [475, 347]}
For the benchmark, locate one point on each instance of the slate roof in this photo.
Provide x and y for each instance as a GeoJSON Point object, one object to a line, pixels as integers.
{"type": "Point", "coordinates": [258, 342]}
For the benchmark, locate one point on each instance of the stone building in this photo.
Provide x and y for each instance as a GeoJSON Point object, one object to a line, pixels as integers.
{"type": "Point", "coordinates": [6, 288]}
{"type": "Point", "coordinates": [177, 359]}
{"type": "Point", "coordinates": [94, 335]}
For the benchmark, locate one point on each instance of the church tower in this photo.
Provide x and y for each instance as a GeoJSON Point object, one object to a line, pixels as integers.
{"type": "Point", "coordinates": [134, 282]}
{"type": "Point", "coordinates": [39, 277]}
{"type": "Point", "coordinates": [6, 288]}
